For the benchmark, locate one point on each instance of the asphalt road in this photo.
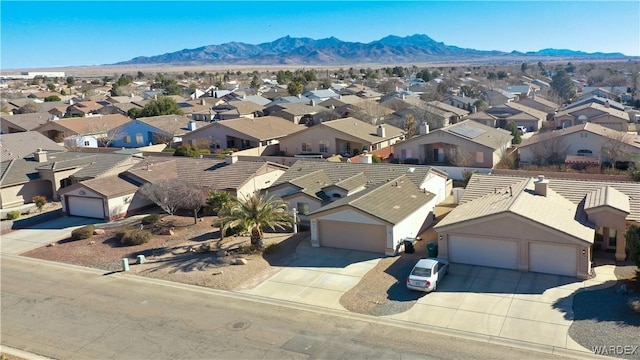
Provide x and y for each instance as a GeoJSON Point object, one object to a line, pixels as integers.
{"type": "Point", "coordinates": [64, 312]}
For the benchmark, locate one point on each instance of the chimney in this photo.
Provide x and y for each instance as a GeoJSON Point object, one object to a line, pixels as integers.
{"type": "Point", "coordinates": [132, 95]}
{"type": "Point", "coordinates": [70, 101]}
{"type": "Point", "coordinates": [606, 104]}
{"type": "Point", "coordinates": [403, 96]}
{"type": "Point", "coordinates": [231, 158]}
{"type": "Point", "coordinates": [381, 131]}
{"type": "Point", "coordinates": [299, 96]}
{"type": "Point", "coordinates": [155, 96]}
{"type": "Point", "coordinates": [202, 102]}
{"type": "Point", "coordinates": [192, 125]}
{"type": "Point", "coordinates": [366, 158]}
{"type": "Point", "coordinates": [541, 186]}
{"type": "Point", "coordinates": [40, 156]}
{"type": "Point", "coordinates": [424, 128]}
{"type": "Point", "coordinates": [312, 102]}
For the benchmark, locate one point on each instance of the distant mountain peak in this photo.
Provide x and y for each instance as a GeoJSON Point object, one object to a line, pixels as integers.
{"type": "Point", "coordinates": [388, 50]}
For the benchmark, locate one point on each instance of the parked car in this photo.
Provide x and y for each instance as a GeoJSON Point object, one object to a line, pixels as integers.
{"type": "Point", "coordinates": [426, 274]}
{"type": "Point", "coordinates": [522, 129]}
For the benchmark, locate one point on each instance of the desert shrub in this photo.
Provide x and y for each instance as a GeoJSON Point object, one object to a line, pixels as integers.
{"type": "Point", "coordinates": [84, 232]}
{"type": "Point", "coordinates": [12, 215]}
{"type": "Point", "coordinates": [187, 151]}
{"type": "Point", "coordinates": [204, 151]}
{"type": "Point", "coordinates": [635, 173]}
{"type": "Point", "coordinates": [150, 219]}
{"type": "Point", "coordinates": [234, 231]}
{"type": "Point", "coordinates": [251, 249]}
{"type": "Point", "coordinates": [135, 237]}
{"type": "Point", "coordinates": [171, 150]}
{"type": "Point", "coordinates": [40, 201]}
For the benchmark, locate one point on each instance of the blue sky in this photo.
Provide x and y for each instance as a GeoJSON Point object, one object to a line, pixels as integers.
{"type": "Point", "coordinates": [53, 33]}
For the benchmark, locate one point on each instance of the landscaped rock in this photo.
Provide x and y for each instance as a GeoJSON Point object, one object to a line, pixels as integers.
{"type": "Point", "coordinates": [221, 253]}
{"type": "Point", "coordinates": [241, 261]}
{"type": "Point", "coordinates": [167, 232]}
{"type": "Point", "coordinates": [99, 232]}
{"type": "Point", "coordinates": [92, 242]}
{"type": "Point", "coordinates": [52, 244]}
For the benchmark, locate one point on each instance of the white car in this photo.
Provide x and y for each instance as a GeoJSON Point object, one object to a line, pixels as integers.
{"type": "Point", "coordinates": [522, 129]}
{"type": "Point", "coordinates": [427, 273]}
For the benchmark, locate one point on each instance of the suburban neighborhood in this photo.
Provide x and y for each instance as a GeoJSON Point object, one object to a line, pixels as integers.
{"type": "Point", "coordinates": [329, 188]}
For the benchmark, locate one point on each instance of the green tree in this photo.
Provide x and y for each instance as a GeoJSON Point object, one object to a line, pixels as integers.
{"type": "Point", "coordinates": [502, 74]}
{"type": "Point", "coordinates": [633, 243]}
{"type": "Point", "coordinates": [511, 126]}
{"type": "Point", "coordinates": [255, 82]}
{"type": "Point", "coordinates": [134, 113]}
{"type": "Point", "coordinates": [294, 88]}
{"type": "Point", "coordinates": [51, 86]}
{"type": "Point", "coordinates": [562, 85]}
{"type": "Point", "coordinates": [70, 81]}
{"type": "Point", "coordinates": [187, 151]}
{"type": "Point", "coordinates": [161, 106]}
{"type": "Point", "coordinates": [52, 98]}
{"type": "Point", "coordinates": [140, 75]}
{"type": "Point", "coordinates": [524, 67]}
{"type": "Point", "coordinates": [492, 76]}
{"type": "Point", "coordinates": [218, 202]}
{"type": "Point", "coordinates": [124, 80]}
{"type": "Point", "coordinates": [256, 213]}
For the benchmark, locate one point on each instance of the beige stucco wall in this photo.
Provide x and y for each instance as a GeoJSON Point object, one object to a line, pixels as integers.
{"type": "Point", "coordinates": [581, 140]}
{"type": "Point", "coordinates": [292, 144]}
{"type": "Point", "coordinates": [413, 224]}
{"type": "Point", "coordinates": [55, 177]}
{"type": "Point", "coordinates": [416, 148]}
{"type": "Point", "coordinates": [22, 194]}
{"type": "Point", "coordinates": [513, 227]}
{"type": "Point", "coordinates": [122, 206]}
{"type": "Point", "coordinates": [260, 182]}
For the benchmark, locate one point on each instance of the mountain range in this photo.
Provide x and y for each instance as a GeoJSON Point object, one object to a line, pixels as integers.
{"type": "Point", "coordinates": [332, 51]}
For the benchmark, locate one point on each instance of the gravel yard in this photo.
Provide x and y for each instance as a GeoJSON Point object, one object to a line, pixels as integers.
{"type": "Point", "coordinates": [602, 317]}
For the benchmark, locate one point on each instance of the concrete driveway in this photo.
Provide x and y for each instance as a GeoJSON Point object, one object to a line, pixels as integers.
{"type": "Point", "coordinates": [504, 304]}
{"type": "Point", "coordinates": [318, 276]}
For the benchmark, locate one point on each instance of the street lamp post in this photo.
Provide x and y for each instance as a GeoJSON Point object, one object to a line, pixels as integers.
{"type": "Point", "coordinates": [295, 221]}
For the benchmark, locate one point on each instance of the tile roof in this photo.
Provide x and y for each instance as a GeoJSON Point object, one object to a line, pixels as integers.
{"type": "Point", "coordinates": [360, 129]}
{"type": "Point", "coordinates": [19, 145]}
{"type": "Point", "coordinates": [449, 108]}
{"type": "Point", "coordinates": [519, 198]}
{"type": "Point", "coordinates": [171, 124]}
{"type": "Point", "coordinates": [597, 129]}
{"type": "Point", "coordinates": [109, 187]}
{"type": "Point", "coordinates": [353, 182]}
{"type": "Point", "coordinates": [490, 137]}
{"type": "Point", "coordinates": [528, 110]}
{"type": "Point", "coordinates": [311, 184]}
{"type": "Point", "coordinates": [596, 99]}
{"type": "Point", "coordinates": [260, 128]}
{"type": "Point", "coordinates": [572, 189]}
{"type": "Point", "coordinates": [245, 107]}
{"type": "Point", "coordinates": [27, 121]}
{"type": "Point", "coordinates": [375, 173]}
{"type": "Point", "coordinates": [392, 201]}
{"type": "Point", "coordinates": [205, 172]}
{"type": "Point", "coordinates": [607, 196]}
{"type": "Point", "coordinates": [611, 111]}
{"type": "Point", "coordinates": [91, 124]}
{"type": "Point", "coordinates": [301, 108]}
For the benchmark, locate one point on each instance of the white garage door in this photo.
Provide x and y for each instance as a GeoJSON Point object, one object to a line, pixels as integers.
{"type": "Point", "coordinates": [86, 207]}
{"type": "Point", "coordinates": [345, 235]}
{"type": "Point", "coordinates": [485, 252]}
{"type": "Point", "coordinates": [553, 259]}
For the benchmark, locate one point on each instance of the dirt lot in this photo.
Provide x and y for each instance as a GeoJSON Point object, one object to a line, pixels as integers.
{"type": "Point", "coordinates": [191, 255]}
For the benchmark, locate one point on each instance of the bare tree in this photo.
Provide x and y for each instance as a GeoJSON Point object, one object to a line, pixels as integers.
{"type": "Point", "coordinates": [104, 133]}
{"type": "Point", "coordinates": [370, 111]}
{"type": "Point", "coordinates": [507, 158]}
{"type": "Point", "coordinates": [410, 126]}
{"type": "Point", "coordinates": [459, 156]}
{"type": "Point", "coordinates": [166, 194]}
{"type": "Point", "coordinates": [616, 148]}
{"type": "Point", "coordinates": [192, 198]}
{"type": "Point", "coordinates": [550, 150]}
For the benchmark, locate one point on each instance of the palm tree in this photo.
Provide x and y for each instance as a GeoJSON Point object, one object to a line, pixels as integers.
{"type": "Point", "coordinates": [254, 214]}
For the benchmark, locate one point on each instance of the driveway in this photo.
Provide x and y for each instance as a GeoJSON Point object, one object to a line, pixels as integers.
{"type": "Point", "coordinates": [505, 304]}
{"type": "Point", "coordinates": [317, 276]}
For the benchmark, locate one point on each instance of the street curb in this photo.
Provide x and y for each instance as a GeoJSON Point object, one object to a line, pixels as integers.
{"type": "Point", "coordinates": [512, 343]}
{"type": "Point", "coordinates": [21, 353]}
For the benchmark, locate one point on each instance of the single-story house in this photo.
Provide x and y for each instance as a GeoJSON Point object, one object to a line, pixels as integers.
{"type": "Point", "coordinates": [163, 129]}
{"type": "Point", "coordinates": [596, 99]}
{"type": "Point", "coordinates": [23, 122]}
{"type": "Point", "coordinates": [108, 198]}
{"type": "Point", "coordinates": [592, 112]}
{"type": "Point", "coordinates": [348, 136]}
{"type": "Point", "coordinates": [588, 140]}
{"type": "Point", "coordinates": [538, 224]}
{"type": "Point", "coordinates": [101, 127]}
{"type": "Point", "coordinates": [465, 144]}
{"type": "Point", "coordinates": [242, 133]}
{"type": "Point", "coordinates": [387, 202]}
{"type": "Point", "coordinates": [375, 219]}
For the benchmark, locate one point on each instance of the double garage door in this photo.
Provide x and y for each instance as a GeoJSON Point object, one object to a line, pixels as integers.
{"type": "Point", "coordinates": [543, 257]}
{"type": "Point", "coordinates": [85, 207]}
{"type": "Point", "coordinates": [345, 235]}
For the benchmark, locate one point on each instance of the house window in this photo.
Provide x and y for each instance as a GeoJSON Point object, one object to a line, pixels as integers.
{"type": "Point", "coordinates": [584, 152]}
{"type": "Point", "coordinates": [306, 147]}
{"type": "Point", "coordinates": [139, 138]}
{"type": "Point", "coordinates": [127, 139]}
{"type": "Point", "coordinates": [324, 147]}
{"type": "Point", "coordinates": [303, 208]}
{"type": "Point", "coordinates": [479, 157]}
{"type": "Point", "coordinates": [584, 135]}
{"type": "Point", "coordinates": [86, 143]}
